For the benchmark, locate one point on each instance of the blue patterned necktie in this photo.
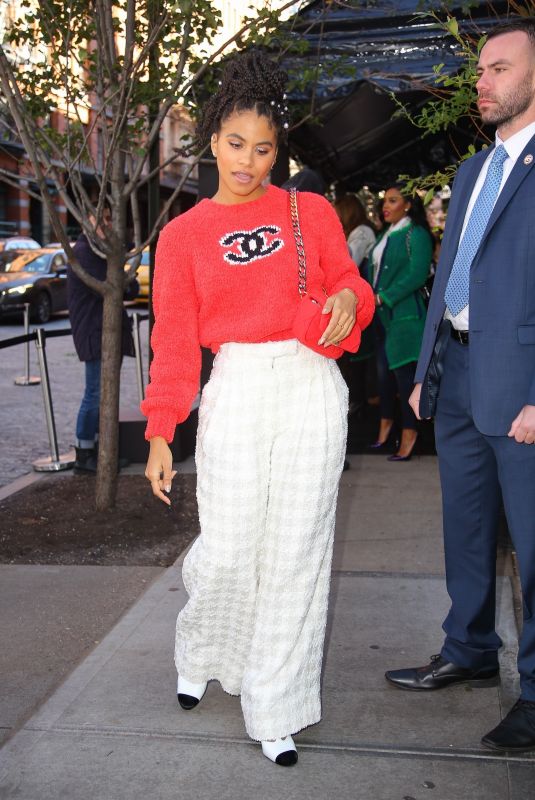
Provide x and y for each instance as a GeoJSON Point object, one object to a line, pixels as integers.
{"type": "Point", "coordinates": [458, 288]}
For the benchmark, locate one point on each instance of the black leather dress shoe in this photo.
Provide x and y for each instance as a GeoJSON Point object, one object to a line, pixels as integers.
{"type": "Point", "coordinates": [516, 732]}
{"type": "Point", "coordinates": [439, 674]}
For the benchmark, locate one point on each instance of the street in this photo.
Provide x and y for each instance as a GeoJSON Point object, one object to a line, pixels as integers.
{"type": "Point", "coordinates": [22, 416]}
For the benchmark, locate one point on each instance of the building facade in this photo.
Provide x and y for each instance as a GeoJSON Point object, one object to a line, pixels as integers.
{"type": "Point", "coordinates": [22, 212]}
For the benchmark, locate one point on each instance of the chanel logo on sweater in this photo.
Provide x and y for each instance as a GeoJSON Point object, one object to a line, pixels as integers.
{"type": "Point", "coordinates": [248, 246]}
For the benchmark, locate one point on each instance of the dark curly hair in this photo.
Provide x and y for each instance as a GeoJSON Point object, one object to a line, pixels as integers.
{"type": "Point", "coordinates": [250, 82]}
{"type": "Point", "coordinates": [416, 211]}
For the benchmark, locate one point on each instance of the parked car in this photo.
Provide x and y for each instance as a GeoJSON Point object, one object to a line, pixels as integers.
{"type": "Point", "coordinates": [142, 275]}
{"type": "Point", "coordinates": [37, 277]}
{"type": "Point", "coordinates": [13, 246]}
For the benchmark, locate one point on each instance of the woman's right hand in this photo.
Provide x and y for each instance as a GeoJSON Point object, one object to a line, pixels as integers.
{"type": "Point", "coordinates": [159, 469]}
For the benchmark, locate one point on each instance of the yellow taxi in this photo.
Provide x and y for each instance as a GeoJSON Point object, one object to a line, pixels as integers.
{"type": "Point", "coordinates": [142, 276]}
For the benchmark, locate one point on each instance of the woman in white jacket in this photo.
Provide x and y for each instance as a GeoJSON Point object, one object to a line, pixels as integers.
{"type": "Point", "coordinates": [357, 228]}
{"type": "Point", "coordinates": [361, 238]}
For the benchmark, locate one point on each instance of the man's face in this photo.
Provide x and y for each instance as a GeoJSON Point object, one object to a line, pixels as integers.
{"type": "Point", "coordinates": [506, 84]}
{"type": "Point", "coordinates": [104, 225]}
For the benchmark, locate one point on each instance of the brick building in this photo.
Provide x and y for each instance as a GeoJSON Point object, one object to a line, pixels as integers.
{"type": "Point", "coordinates": [23, 213]}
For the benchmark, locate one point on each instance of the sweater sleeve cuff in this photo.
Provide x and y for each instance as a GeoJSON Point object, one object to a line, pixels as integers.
{"type": "Point", "coordinates": [346, 283]}
{"type": "Point", "coordinates": [365, 305]}
{"type": "Point", "coordinates": [161, 422]}
{"type": "Point", "coordinates": [354, 287]}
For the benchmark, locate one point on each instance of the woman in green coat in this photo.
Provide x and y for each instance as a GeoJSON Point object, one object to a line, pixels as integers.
{"type": "Point", "coordinates": [400, 265]}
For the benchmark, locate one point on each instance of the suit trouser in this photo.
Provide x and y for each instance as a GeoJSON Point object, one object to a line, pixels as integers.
{"type": "Point", "coordinates": [270, 450]}
{"type": "Point", "coordinates": [473, 469]}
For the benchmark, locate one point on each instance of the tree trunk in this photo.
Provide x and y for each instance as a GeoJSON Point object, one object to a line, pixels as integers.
{"type": "Point", "coordinates": [108, 450]}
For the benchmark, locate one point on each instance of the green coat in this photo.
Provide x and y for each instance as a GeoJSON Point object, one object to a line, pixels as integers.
{"type": "Point", "coordinates": [404, 270]}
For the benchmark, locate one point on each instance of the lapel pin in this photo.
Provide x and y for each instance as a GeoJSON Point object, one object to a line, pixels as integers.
{"type": "Point", "coordinates": [528, 159]}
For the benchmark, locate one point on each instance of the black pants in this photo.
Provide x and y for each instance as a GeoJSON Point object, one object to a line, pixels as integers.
{"type": "Point", "coordinates": [392, 382]}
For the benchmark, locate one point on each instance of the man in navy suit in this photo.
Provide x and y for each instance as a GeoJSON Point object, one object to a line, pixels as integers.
{"type": "Point", "coordinates": [476, 375]}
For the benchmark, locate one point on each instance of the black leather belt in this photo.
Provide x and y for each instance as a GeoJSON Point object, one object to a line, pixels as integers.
{"type": "Point", "coordinates": [460, 336]}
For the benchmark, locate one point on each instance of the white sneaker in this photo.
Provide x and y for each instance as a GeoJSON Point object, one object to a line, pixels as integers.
{"type": "Point", "coordinates": [189, 694]}
{"type": "Point", "coordinates": [281, 751]}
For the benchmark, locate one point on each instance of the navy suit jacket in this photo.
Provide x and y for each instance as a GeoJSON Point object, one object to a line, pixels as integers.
{"type": "Point", "coordinates": [502, 297]}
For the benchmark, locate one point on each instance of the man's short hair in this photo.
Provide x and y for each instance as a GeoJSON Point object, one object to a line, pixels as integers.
{"type": "Point", "coordinates": [524, 24]}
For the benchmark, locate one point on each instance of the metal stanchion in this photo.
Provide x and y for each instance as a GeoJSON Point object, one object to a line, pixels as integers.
{"type": "Point", "coordinates": [139, 361]}
{"type": "Point", "coordinates": [54, 462]}
{"type": "Point", "coordinates": [26, 380]}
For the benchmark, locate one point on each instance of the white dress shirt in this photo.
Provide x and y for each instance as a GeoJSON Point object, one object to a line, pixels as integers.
{"type": "Point", "coordinates": [514, 147]}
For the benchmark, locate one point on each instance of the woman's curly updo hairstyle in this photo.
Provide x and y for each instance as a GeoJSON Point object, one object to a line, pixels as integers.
{"type": "Point", "coordinates": [250, 82]}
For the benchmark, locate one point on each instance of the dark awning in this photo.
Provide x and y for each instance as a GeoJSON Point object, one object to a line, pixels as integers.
{"type": "Point", "coordinates": [367, 51]}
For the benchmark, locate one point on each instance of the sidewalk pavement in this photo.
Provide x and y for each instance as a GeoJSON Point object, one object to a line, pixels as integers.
{"type": "Point", "coordinates": [113, 729]}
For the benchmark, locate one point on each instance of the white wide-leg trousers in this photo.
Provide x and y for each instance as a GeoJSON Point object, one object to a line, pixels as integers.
{"type": "Point", "coordinates": [270, 450]}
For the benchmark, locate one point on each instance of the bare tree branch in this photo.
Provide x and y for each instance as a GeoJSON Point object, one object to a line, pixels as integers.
{"type": "Point", "coordinates": [15, 179]}
{"type": "Point", "coordinates": [172, 159]}
{"type": "Point", "coordinates": [136, 215]}
{"type": "Point", "coordinates": [11, 129]}
{"type": "Point", "coordinates": [193, 79]}
{"type": "Point", "coordinates": [176, 191]}
{"type": "Point", "coordinates": [12, 93]}
{"type": "Point", "coordinates": [158, 122]}
{"type": "Point", "coordinates": [105, 35]}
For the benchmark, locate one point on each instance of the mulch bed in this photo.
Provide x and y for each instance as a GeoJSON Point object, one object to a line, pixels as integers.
{"type": "Point", "coordinates": [54, 521]}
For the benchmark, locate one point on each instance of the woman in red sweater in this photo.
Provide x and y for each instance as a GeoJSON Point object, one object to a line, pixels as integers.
{"type": "Point", "coordinates": [272, 419]}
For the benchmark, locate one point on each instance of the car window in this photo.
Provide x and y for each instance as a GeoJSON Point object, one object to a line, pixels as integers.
{"type": "Point", "coordinates": [37, 264]}
{"type": "Point", "coordinates": [22, 244]}
{"type": "Point", "coordinates": [59, 261]}
{"type": "Point", "coordinates": [145, 259]}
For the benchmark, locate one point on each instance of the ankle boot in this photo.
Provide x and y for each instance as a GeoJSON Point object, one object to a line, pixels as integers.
{"type": "Point", "coordinates": [86, 459]}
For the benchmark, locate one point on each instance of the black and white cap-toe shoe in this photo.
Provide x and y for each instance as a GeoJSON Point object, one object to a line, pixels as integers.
{"type": "Point", "coordinates": [281, 751]}
{"type": "Point", "coordinates": [189, 694]}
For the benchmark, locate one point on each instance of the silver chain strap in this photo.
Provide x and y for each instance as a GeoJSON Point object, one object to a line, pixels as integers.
{"type": "Point", "coordinates": [302, 272]}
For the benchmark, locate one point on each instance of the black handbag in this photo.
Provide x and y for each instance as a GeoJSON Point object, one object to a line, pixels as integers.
{"type": "Point", "coordinates": [425, 290]}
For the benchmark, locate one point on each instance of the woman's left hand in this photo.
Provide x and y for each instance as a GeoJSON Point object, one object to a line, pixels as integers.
{"type": "Point", "coordinates": [343, 306]}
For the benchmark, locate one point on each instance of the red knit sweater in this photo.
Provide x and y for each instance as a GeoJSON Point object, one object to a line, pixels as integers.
{"type": "Point", "coordinates": [228, 273]}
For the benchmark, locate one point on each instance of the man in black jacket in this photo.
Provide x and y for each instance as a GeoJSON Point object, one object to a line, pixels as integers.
{"type": "Point", "coordinates": [86, 311]}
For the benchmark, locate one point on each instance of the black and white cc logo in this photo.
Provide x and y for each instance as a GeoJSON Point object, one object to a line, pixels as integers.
{"type": "Point", "coordinates": [250, 245]}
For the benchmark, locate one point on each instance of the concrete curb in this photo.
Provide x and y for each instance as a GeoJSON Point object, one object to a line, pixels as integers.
{"type": "Point", "coordinates": [21, 483]}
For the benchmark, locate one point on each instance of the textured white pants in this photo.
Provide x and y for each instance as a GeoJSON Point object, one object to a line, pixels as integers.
{"type": "Point", "coordinates": [270, 450]}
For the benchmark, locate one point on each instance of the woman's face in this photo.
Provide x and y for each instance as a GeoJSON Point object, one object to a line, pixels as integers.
{"type": "Point", "coordinates": [245, 149]}
{"type": "Point", "coordinates": [395, 206]}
